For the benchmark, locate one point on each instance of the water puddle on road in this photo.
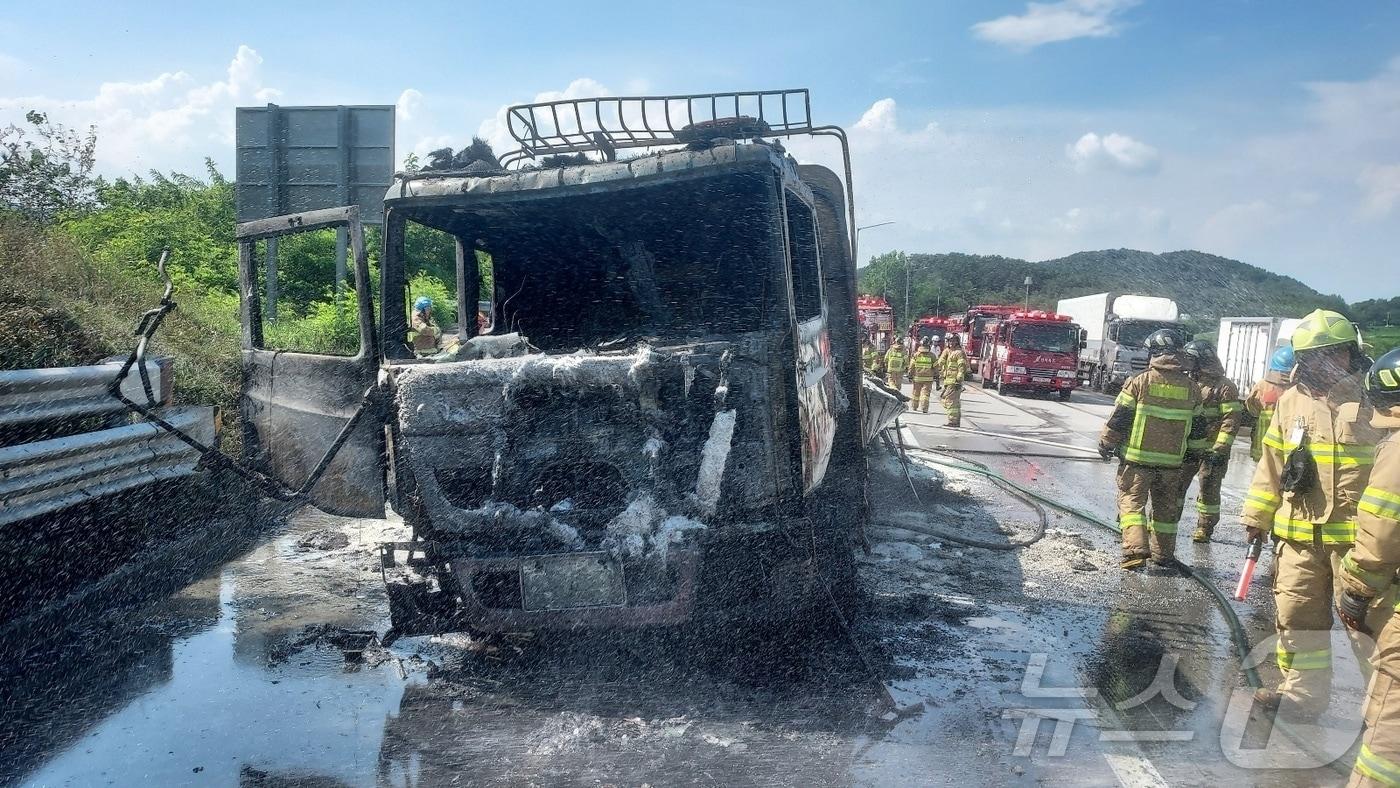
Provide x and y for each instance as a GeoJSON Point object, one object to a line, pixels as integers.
{"type": "Point", "coordinates": [223, 713]}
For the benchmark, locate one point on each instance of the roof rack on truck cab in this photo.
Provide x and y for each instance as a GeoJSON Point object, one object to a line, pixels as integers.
{"type": "Point", "coordinates": [607, 124]}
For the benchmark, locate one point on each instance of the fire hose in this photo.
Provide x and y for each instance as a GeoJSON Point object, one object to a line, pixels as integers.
{"type": "Point", "coordinates": [1238, 636]}
{"type": "Point", "coordinates": [145, 329]}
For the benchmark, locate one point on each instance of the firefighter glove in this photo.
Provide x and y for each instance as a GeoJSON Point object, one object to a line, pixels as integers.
{"type": "Point", "coordinates": [1352, 610]}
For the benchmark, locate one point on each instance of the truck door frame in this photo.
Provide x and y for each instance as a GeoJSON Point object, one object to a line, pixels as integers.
{"type": "Point", "coordinates": [293, 404]}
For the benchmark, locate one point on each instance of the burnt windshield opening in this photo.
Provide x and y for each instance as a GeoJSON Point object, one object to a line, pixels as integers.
{"type": "Point", "coordinates": [656, 262]}
{"type": "Point", "coordinates": [1047, 339]}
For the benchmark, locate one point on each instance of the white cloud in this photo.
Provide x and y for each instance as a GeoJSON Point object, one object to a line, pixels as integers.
{"type": "Point", "coordinates": [1045, 23]}
{"type": "Point", "coordinates": [1380, 186]}
{"type": "Point", "coordinates": [1112, 151]}
{"type": "Point", "coordinates": [170, 121]}
{"type": "Point", "coordinates": [406, 108]}
{"type": "Point", "coordinates": [497, 132]}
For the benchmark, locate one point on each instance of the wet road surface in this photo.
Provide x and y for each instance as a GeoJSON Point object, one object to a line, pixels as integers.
{"type": "Point", "coordinates": [1046, 664]}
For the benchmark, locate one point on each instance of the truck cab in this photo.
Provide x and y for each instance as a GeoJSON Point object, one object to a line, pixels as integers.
{"type": "Point", "coordinates": [656, 420]}
{"type": "Point", "coordinates": [974, 322]}
{"type": "Point", "coordinates": [1031, 351]}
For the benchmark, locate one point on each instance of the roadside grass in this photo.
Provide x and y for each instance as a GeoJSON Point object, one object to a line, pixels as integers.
{"type": "Point", "coordinates": [1381, 339]}
{"type": "Point", "coordinates": [60, 306]}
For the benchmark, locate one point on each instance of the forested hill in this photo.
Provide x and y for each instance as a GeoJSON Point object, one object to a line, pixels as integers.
{"type": "Point", "coordinates": [1206, 286]}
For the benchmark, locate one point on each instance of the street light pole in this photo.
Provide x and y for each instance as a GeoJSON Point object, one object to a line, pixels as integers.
{"type": "Point", "coordinates": [1028, 294]}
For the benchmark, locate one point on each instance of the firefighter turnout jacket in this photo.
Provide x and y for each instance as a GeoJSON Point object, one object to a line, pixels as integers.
{"type": "Point", "coordinates": [1335, 430]}
{"type": "Point", "coordinates": [1222, 409]}
{"type": "Point", "coordinates": [895, 361]}
{"type": "Point", "coordinates": [871, 360]}
{"type": "Point", "coordinates": [1155, 414]}
{"type": "Point", "coordinates": [952, 363]}
{"type": "Point", "coordinates": [1369, 569]}
{"type": "Point", "coordinates": [922, 366]}
{"type": "Point", "coordinates": [1260, 406]}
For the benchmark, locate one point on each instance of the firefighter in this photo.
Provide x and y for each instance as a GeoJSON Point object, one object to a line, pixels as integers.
{"type": "Point", "coordinates": [424, 331]}
{"type": "Point", "coordinates": [952, 369]}
{"type": "Point", "coordinates": [1155, 414]}
{"type": "Point", "coordinates": [1369, 574]}
{"type": "Point", "coordinates": [923, 370]}
{"type": "Point", "coordinates": [1259, 405]}
{"type": "Point", "coordinates": [870, 358]}
{"type": "Point", "coordinates": [1208, 457]}
{"type": "Point", "coordinates": [1316, 461]}
{"type": "Point", "coordinates": [894, 365]}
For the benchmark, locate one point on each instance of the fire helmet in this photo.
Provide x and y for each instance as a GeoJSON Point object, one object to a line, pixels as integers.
{"type": "Point", "coordinates": [1165, 340]}
{"type": "Point", "coordinates": [1383, 381]}
{"type": "Point", "coordinates": [1323, 328]}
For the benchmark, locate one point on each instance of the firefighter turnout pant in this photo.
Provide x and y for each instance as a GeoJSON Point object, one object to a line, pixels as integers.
{"type": "Point", "coordinates": [1150, 500]}
{"type": "Point", "coordinates": [922, 389]}
{"type": "Point", "coordinates": [1378, 763]}
{"type": "Point", "coordinates": [1306, 587]}
{"type": "Point", "coordinates": [951, 397]}
{"type": "Point", "coordinates": [1211, 475]}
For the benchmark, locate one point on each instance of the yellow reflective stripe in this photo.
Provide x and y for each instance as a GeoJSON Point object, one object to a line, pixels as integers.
{"type": "Point", "coordinates": [1262, 500]}
{"type": "Point", "coordinates": [1302, 530]}
{"type": "Point", "coordinates": [1125, 400]}
{"type": "Point", "coordinates": [1152, 458]}
{"type": "Point", "coordinates": [1224, 439]}
{"type": "Point", "coordinates": [1129, 520]}
{"type": "Point", "coordinates": [1169, 414]}
{"type": "Point", "coordinates": [1159, 527]}
{"type": "Point", "coordinates": [1233, 406]}
{"type": "Point", "coordinates": [1373, 766]}
{"type": "Point", "coordinates": [1380, 503]}
{"type": "Point", "coordinates": [1207, 508]}
{"type": "Point", "coordinates": [1212, 411]}
{"type": "Point", "coordinates": [1168, 391]}
{"type": "Point", "coordinates": [1302, 660]}
{"type": "Point", "coordinates": [1375, 580]}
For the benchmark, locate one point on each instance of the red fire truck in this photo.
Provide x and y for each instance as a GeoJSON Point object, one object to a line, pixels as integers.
{"type": "Point", "coordinates": [1038, 351]}
{"type": "Point", "coordinates": [974, 325]}
{"type": "Point", "coordinates": [934, 327]}
{"type": "Point", "coordinates": [876, 320]}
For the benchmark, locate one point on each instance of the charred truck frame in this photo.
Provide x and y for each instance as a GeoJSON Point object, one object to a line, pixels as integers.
{"type": "Point", "coordinates": [663, 421]}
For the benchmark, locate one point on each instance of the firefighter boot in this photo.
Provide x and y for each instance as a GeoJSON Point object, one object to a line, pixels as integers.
{"type": "Point", "coordinates": [1205, 528]}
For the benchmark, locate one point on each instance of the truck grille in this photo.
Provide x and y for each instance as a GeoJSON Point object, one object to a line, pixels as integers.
{"type": "Point", "coordinates": [1040, 373]}
{"type": "Point", "coordinates": [1139, 364]}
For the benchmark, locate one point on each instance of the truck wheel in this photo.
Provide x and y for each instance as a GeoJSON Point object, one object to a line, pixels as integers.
{"type": "Point", "coordinates": [1064, 394]}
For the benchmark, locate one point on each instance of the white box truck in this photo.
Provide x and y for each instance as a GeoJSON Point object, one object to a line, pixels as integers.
{"type": "Point", "coordinates": [1245, 344]}
{"type": "Point", "coordinates": [1115, 326]}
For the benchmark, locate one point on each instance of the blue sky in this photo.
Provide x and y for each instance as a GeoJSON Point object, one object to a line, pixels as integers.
{"type": "Point", "coordinates": [1266, 131]}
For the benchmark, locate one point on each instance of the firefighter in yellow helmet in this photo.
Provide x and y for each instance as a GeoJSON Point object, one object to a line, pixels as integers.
{"type": "Point", "coordinates": [923, 368]}
{"type": "Point", "coordinates": [1316, 462]}
{"type": "Point", "coordinates": [1210, 453]}
{"type": "Point", "coordinates": [1369, 572]}
{"type": "Point", "coordinates": [1263, 397]}
{"type": "Point", "coordinates": [895, 362]}
{"type": "Point", "coordinates": [1157, 411]}
{"type": "Point", "coordinates": [952, 368]}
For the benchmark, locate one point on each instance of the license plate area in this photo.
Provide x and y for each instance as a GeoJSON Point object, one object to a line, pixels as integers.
{"type": "Point", "coordinates": [572, 580]}
{"type": "Point", "coordinates": [1042, 380]}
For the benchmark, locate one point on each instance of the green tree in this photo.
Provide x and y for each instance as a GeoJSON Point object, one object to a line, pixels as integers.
{"type": "Point", "coordinates": [46, 168]}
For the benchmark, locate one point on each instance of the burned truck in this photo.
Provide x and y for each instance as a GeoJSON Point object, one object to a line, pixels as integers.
{"type": "Point", "coordinates": [656, 418]}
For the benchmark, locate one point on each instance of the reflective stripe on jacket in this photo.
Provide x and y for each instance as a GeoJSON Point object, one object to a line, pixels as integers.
{"type": "Point", "coordinates": [1156, 409]}
{"type": "Point", "coordinates": [1260, 403]}
{"type": "Point", "coordinates": [1222, 409]}
{"type": "Point", "coordinates": [1370, 567]}
{"type": "Point", "coordinates": [894, 360]}
{"type": "Point", "coordinates": [1337, 433]}
{"type": "Point", "coordinates": [921, 367]}
{"type": "Point", "coordinates": [871, 359]}
{"type": "Point", "coordinates": [953, 364]}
